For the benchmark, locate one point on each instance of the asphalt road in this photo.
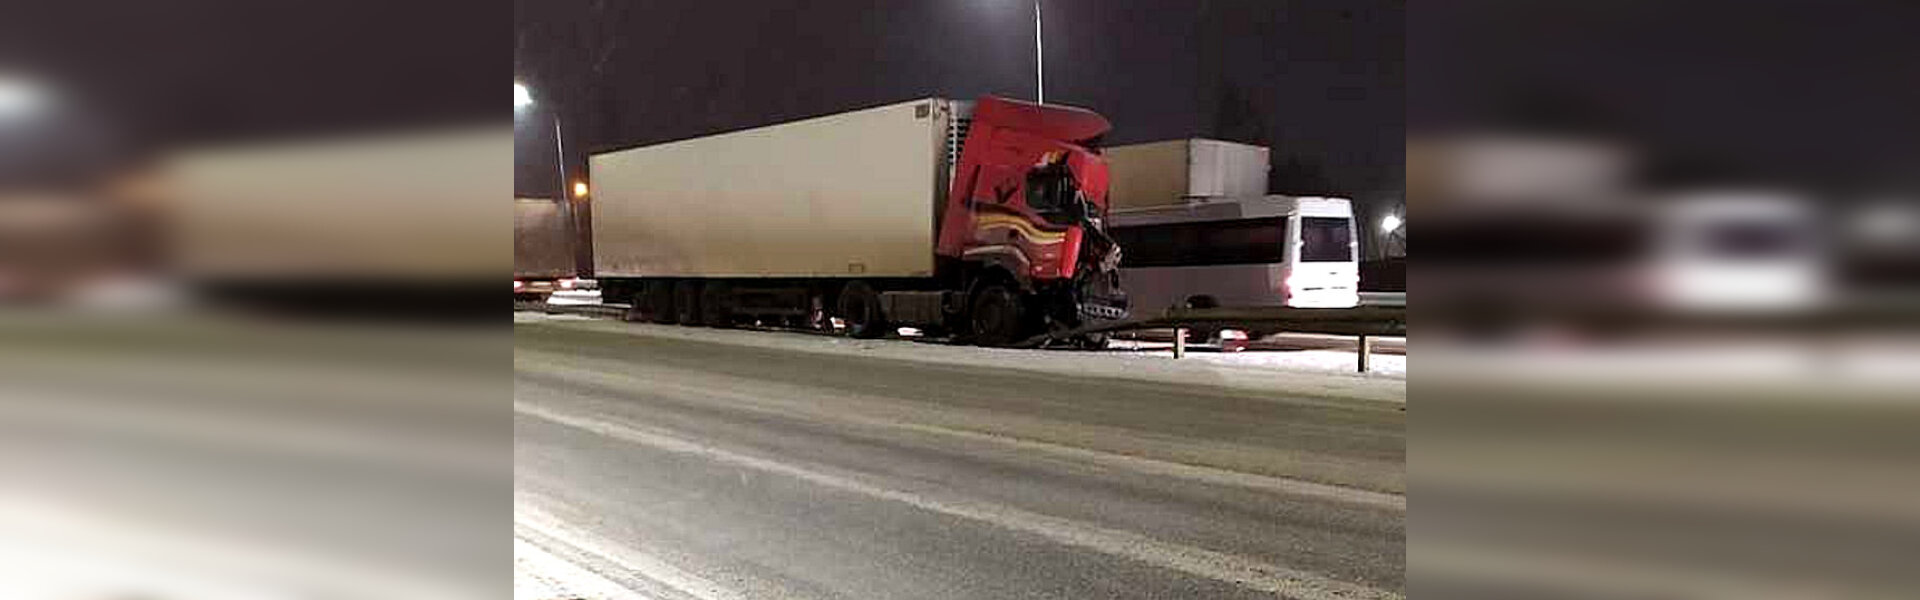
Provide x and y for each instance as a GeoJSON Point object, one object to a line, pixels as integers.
{"type": "Point", "coordinates": [679, 467]}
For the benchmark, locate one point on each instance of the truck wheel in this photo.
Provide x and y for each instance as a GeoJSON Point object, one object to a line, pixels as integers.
{"type": "Point", "coordinates": [998, 317]}
{"type": "Point", "coordinates": [716, 306]}
{"type": "Point", "coordinates": [658, 300]}
{"type": "Point", "coordinates": [860, 308]}
{"type": "Point", "coordinates": [686, 302]}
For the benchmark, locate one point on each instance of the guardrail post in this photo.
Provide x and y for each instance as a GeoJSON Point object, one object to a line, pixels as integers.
{"type": "Point", "coordinates": [1179, 342]}
{"type": "Point", "coordinates": [1366, 352]}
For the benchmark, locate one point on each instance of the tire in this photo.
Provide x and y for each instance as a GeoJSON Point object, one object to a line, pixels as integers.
{"type": "Point", "coordinates": [658, 302]}
{"type": "Point", "coordinates": [998, 317]}
{"type": "Point", "coordinates": [716, 305]}
{"type": "Point", "coordinates": [860, 308]}
{"type": "Point", "coordinates": [686, 302]}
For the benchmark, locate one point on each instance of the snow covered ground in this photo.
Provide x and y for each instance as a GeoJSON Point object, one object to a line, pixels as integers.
{"type": "Point", "coordinates": [1314, 372]}
{"type": "Point", "coordinates": [1343, 361]}
{"type": "Point", "coordinates": [539, 575]}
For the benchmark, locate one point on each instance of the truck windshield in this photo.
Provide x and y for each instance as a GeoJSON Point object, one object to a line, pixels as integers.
{"type": "Point", "coordinates": [1326, 239]}
{"type": "Point", "coordinates": [1050, 192]}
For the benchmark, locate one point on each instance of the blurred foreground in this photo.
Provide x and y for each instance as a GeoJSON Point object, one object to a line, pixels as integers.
{"type": "Point", "coordinates": [1668, 307]}
{"type": "Point", "coordinates": [206, 456]}
{"type": "Point", "coordinates": [253, 370]}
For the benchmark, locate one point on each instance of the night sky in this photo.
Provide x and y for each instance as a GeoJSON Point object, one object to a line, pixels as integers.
{"type": "Point", "coordinates": [134, 75]}
{"type": "Point", "coordinates": [1320, 82]}
{"type": "Point", "coordinates": [1816, 93]}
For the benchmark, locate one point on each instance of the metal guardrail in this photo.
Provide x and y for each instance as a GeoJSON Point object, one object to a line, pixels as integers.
{"type": "Point", "coordinates": [1364, 322]}
{"type": "Point", "coordinates": [1383, 299]}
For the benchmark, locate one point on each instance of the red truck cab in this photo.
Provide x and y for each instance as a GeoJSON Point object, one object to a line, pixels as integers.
{"type": "Point", "coordinates": [1025, 219]}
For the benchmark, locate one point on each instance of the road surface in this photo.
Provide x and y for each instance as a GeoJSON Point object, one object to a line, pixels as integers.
{"type": "Point", "coordinates": [680, 464]}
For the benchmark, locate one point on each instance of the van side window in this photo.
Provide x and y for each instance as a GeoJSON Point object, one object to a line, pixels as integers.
{"type": "Point", "coordinates": [1239, 242]}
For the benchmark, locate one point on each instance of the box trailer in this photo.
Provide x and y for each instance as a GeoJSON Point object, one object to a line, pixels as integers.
{"type": "Point", "coordinates": [1173, 171]}
{"type": "Point", "coordinates": [978, 218]}
{"type": "Point", "coordinates": [395, 206]}
{"type": "Point", "coordinates": [395, 221]}
{"type": "Point", "coordinates": [542, 249]}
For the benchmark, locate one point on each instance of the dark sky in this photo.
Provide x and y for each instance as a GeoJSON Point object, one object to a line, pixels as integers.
{"type": "Point", "coordinates": [1809, 92]}
{"type": "Point", "coordinates": [1320, 82]}
{"type": "Point", "coordinates": [142, 73]}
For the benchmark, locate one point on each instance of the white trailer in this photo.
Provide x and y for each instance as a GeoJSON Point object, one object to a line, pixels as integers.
{"type": "Point", "coordinates": [411, 206]}
{"type": "Point", "coordinates": [542, 249]}
{"type": "Point", "coordinates": [399, 222]}
{"type": "Point", "coordinates": [1170, 173]}
{"type": "Point", "coordinates": [850, 195]}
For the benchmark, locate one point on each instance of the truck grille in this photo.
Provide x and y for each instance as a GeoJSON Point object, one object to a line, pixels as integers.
{"type": "Point", "coordinates": [1101, 312]}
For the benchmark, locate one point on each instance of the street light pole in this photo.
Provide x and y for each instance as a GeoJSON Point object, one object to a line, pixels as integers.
{"type": "Point", "coordinates": [1039, 59]}
{"type": "Point", "coordinates": [560, 154]}
{"type": "Point", "coordinates": [524, 98]}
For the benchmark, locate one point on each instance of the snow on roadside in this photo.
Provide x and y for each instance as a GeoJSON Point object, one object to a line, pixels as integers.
{"type": "Point", "coordinates": [539, 575]}
{"type": "Point", "coordinates": [1344, 362]}
{"type": "Point", "coordinates": [1302, 372]}
{"type": "Point", "coordinates": [527, 316]}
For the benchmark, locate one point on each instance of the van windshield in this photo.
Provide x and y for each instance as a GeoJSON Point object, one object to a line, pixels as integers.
{"type": "Point", "coordinates": [1326, 239]}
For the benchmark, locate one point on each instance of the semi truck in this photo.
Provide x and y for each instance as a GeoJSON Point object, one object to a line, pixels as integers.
{"type": "Point", "coordinates": [981, 219]}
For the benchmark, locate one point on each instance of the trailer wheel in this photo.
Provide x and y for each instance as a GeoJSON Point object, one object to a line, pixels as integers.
{"type": "Point", "coordinates": [657, 297]}
{"type": "Point", "coordinates": [686, 302]}
{"type": "Point", "coordinates": [716, 306]}
{"type": "Point", "coordinates": [998, 317]}
{"type": "Point", "coordinates": [860, 308]}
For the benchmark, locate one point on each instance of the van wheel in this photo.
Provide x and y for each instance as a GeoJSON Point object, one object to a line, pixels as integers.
{"type": "Point", "coordinates": [658, 299]}
{"type": "Point", "coordinates": [997, 317]}
{"type": "Point", "coordinates": [686, 302]}
{"type": "Point", "coordinates": [716, 306]}
{"type": "Point", "coordinates": [860, 308]}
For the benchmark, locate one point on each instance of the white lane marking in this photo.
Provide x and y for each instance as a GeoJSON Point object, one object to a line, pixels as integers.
{"type": "Point", "coordinates": [539, 575]}
{"type": "Point", "coordinates": [1219, 566]}
{"type": "Point", "coordinates": [1148, 466]}
{"type": "Point", "coordinates": [649, 567]}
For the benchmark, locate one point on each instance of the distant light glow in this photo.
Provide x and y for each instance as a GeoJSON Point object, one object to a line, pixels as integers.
{"type": "Point", "coordinates": [579, 189]}
{"type": "Point", "coordinates": [20, 97]}
{"type": "Point", "coordinates": [1390, 224]}
{"type": "Point", "coordinates": [521, 97]}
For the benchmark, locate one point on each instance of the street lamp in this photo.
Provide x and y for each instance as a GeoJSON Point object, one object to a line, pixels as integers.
{"type": "Point", "coordinates": [523, 98]}
{"type": "Point", "coordinates": [20, 97]}
{"type": "Point", "coordinates": [1390, 223]}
